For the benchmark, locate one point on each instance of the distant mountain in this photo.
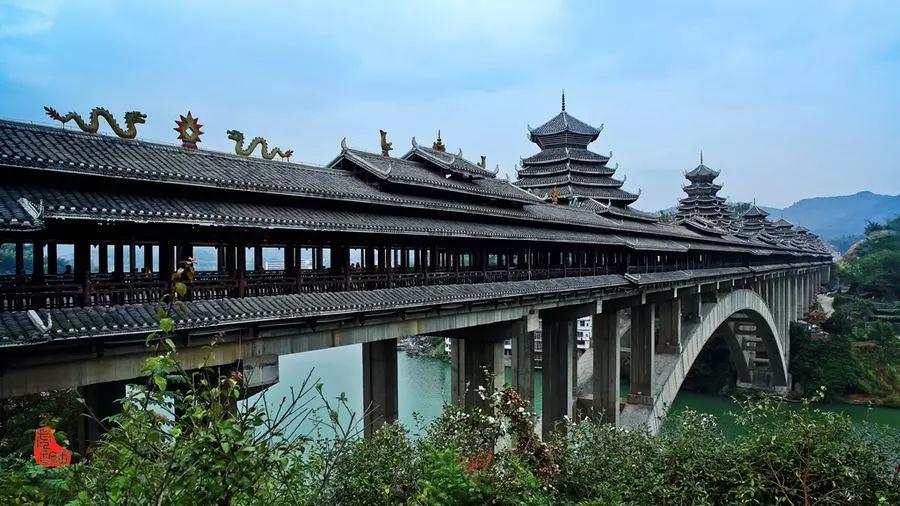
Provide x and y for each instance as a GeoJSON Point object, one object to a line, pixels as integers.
{"type": "Point", "coordinates": [840, 220]}
{"type": "Point", "coordinates": [836, 217]}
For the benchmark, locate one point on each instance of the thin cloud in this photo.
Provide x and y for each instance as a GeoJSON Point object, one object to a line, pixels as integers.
{"type": "Point", "coordinates": [22, 18]}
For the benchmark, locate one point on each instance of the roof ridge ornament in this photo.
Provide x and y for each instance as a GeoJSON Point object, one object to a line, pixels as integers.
{"type": "Point", "coordinates": [132, 119]}
{"type": "Point", "coordinates": [438, 145]}
{"type": "Point", "coordinates": [415, 144]}
{"type": "Point", "coordinates": [189, 130]}
{"type": "Point", "coordinates": [564, 100]}
{"type": "Point", "coordinates": [238, 138]}
{"type": "Point", "coordinates": [459, 154]}
{"type": "Point", "coordinates": [36, 213]}
{"type": "Point", "coordinates": [344, 146]}
{"type": "Point", "coordinates": [386, 146]}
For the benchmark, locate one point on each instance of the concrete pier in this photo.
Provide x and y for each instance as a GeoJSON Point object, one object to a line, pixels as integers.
{"type": "Point", "coordinates": [642, 352]}
{"type": "Point", "coordinates": [100, 403]}
{"type": "Point", "coordinates": [379, 384]}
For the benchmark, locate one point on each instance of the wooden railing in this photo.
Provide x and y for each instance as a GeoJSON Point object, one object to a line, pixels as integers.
{"type": "Point", "coordinates": [21, 292]}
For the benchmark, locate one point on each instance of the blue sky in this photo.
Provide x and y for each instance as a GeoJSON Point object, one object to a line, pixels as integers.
{"type": "Point", "coordinates": [789, 99]}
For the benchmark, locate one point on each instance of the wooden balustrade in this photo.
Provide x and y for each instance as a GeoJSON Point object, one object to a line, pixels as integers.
{"type": "Point", "coordinates": [20, 292]}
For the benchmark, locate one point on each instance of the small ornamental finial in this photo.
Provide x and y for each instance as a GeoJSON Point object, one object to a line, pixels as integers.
{"type": "Point", "coordinates": [483, 163]}
{"type": "Point", "coordinates": [188, 130]}
{"type": "Point", "coordinates": [438, 145]}
{"type": "Point", "coordinates": [385, 145]}
{"type": "Point", "coordinates": [701, 157]}
{"type": "Point", "coordinates": [564, 100]}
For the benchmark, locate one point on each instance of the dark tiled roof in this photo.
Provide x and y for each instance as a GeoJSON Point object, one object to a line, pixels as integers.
{"type": "Point", "coordinates": [702, 171]}
{"type": "Point", "coordinates": [755, 212]}
{"type": "Point", "coordinates": [596, 192]}
{"type": "Point", "coordinates": [783, 223]}
{"type": "Point", "coordinates": [561, 179]}
{"type": "Point", "coordinates": [400, 171]}
{"type": "Point", "coordinates": [567, 166]}
{"type": "Point", "coordinates": [448, 161]}
{"type": "Point", "coordinates": [565, 122]}
{"type": "Point", "coordinates": [551, 155]}
{"type": "Point", "coordinates": [137, 208]}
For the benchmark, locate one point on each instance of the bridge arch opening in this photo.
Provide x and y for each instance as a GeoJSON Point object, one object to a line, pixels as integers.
{"type": "Point", "coordinates": [744, 322]}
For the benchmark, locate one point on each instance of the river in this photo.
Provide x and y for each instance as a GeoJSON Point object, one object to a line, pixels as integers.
{"type": "Point", "coordinates": [424, 386]}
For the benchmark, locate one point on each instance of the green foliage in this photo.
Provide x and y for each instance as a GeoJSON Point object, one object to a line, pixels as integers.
{"type": "Point", "coordinates": [20, 416]}
{"type": "Point", "coordinates": [873, 268]}
{"type": "Point", "coordinates": [801, 456]}
{"type": "Point", "coordinates": [445, 480]}
{"type": "Point", "coordinates": [827, 362]}
{"type": "Point", "coordinates": [382, 469]}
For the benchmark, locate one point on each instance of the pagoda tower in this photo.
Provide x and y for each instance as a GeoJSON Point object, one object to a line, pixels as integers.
{"type": "Point", "coordinates": [702, 199]}
{"type": "Point", "coordinates": [783, 229]}
{"type": "Point", "coordinates": [754, 221]}
{"type": "Point", "coordinates": [565, 171]}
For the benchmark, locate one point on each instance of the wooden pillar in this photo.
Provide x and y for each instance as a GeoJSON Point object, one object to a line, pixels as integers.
{"type": "Point", "coordinates": [119, 260]}
{"type": "Point", "coordinates": [132, 257]}
{"type": "Point", "coordinates": [220, 258]}
{"type": "Point", "coordinates": [52, 259]}
{"type": "Point", "coordinates": [148, 257]}
{"type": "Point", "coordinates": [290, 259]}
{"type": "Point", "coordinates": [230, 258]}
{"type": "Point", "coordinates": [389, 266]}
{"type": "Point", "coordinates": [379, 367]}
{"type": "Point", "coordinates": [82, 271]}
{"type": "Point", "coordinates": [258, 258]}
{"type": "Point", "coordinates": [241, 269]}
{"type": "Point", "coordinates": [37, 262]}
{"type": "Point", "coordinates": [166, 260]}
{"type": "Point", "coordinates": [103, 258]}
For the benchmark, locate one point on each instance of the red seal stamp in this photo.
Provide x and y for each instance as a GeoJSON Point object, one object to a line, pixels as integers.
{"type": "Point", "coordinates": [47, 452]}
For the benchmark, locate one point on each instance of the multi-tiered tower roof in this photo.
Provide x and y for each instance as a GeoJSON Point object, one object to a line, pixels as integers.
{"type": "Point", "coordinates": [754, 221]}
{"type": "Point", "coordinates": [702, 199]}
{"type": "Point", "coordinates": [565, 171]}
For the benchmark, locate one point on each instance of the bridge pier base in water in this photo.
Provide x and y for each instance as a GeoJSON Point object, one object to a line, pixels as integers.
{"type": "Point", "coordinates": [380, 404]}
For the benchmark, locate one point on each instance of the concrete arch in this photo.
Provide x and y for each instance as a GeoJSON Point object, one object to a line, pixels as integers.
{"type": "Point", "coordinates": [715, 317]}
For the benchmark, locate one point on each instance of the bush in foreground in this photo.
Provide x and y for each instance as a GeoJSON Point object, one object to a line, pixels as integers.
{"type": "Point", "coordinates": [181, 440]}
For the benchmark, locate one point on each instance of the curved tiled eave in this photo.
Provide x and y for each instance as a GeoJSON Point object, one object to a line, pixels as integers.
{"type": "Point", "coordinates": [592, 169]}
{"type": "Point", "coordinates": [555, 155]}
{"type": "Point", "coordinates": [561, 179]}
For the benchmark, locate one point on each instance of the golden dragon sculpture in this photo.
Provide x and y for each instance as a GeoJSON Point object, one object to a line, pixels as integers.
{"type": "Point", "coordinates": [132, 118]}
{"type": "Point", "coordinates": [238, 138]}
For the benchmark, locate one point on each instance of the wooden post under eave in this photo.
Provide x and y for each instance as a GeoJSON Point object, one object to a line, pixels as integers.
{"type": "Point", "coordinates": [52, 259]}
{"type": "Point", "coordinates": [82, 271]}
{"type": "Point", "coordinates": [241, 269]}
{"type": "Point", "coordinates": [102, 258]}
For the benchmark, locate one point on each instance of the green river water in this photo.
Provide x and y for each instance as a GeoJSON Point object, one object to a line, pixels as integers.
{"type": "Point", "coordinates": [424, 387]}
